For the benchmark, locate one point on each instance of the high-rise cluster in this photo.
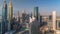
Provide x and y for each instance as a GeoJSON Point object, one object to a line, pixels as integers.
{"type": "Point", "coordinates": [6, 13]}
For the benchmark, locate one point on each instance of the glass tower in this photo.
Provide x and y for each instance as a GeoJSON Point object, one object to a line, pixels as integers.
{"type": "Point", "coordinates": [36, 12]}
{"type": "Point", "coordinates": [10, 13]}
{"type": "Point", "coordinates": [4, 17]}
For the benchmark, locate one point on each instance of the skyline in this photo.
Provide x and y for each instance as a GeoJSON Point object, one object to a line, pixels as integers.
{"type": "Point", "coordinates": [29, 17]}
{"type": "Point", "coordinates": [44, 5]}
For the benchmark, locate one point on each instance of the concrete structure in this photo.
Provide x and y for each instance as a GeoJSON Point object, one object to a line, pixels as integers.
{"type": "Point", "coordinates": [50, 17]}
{"type": "Point", "coordinates": [57, 31]}
{"type": "Point", "coordinates": [58, 25]}
{"type": "Point", "coordinates": [43, 20]}
{"type": "Point", "coordinates": [54, 20]}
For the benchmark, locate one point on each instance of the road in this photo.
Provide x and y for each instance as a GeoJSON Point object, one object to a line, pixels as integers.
{"type": "Point", "coordinates": [23, 32]}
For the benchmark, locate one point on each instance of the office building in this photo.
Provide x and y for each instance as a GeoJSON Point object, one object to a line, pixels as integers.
{"type": "Point", "coordinates": [36, 12]}
{"type": "Point", "coordinates": [58, 23]}
{"type": "Point", "coordinates": [18, 16]}
{"type": "Point", "coordinates": [10, 13]}
{"type": "Point", "coordinates": [54, 20]}
{"type": "Point", "coordinates": [50, 17]}
{"type": "Point", "coordinates": [4, 23]}
{"type": "Point", "coordinates": [23, 16]}
{"type": "Point", "coordinates": [0, 24]}
{"type": "Point", "coordinates": [41, 21]}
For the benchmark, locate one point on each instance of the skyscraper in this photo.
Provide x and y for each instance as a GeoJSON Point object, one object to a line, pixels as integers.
{"type": "Point", "coordinates": [54, 20]}
{"type": "Point", "coordinates": [36, 22]}
{"type": "Point", "coordinates": [4, 17]}
{"type": "Point", "coordinates": [18, 17]}
{"type": "Point", "coordinates": [36, 12]}
{"type": "Point", "coordinates": [50, 17]}
{"type": "Point", "coordinates": [10, 13]}
{"type": "Point", "coordinates": [41, 23]}
{"type": "Point", "coordinates": [23, 15]}
{"type": "Point", "coordinates": [4, 11]}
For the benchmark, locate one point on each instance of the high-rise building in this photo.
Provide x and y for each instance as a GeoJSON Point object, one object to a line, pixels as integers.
{"type": "Point", "coordinates": [41, 21]}
{"type": "Point", "coordinates": [23, 15]}
{"type": "Point", "coordinates": [18, 17]}
{"type": "Point", "coordinates": [0, 24]}
{"type": "Point", "coordinates": [50, 17]}
{"type": "Point", "coordinates": [10, 13]}
{"type": "Point", "coordinates": [54, 20]}
{"type": "Point", "coordinates": [4, 11]}
{"type": "Point", "coordinates": [50, 21]}
{"type": "Point", "coordinates": [37, 21]}
{"type": "Point", "coordinates": [58, 24]}
{"type": "Point", "coordinates": [36, 12]}
{"type": "Point", "coordinates": [4, 17]}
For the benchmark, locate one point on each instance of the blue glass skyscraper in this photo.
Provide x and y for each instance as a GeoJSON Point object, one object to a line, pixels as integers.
{"type": "Point", "coordinates": [4, 11]}
{"type": "Point", "coordinates": [4, 17]}
{"type": "Point", "coordinates": [36, 12]}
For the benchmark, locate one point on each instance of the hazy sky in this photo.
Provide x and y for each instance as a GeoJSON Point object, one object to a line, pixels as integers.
{"type": "Point", "coordinates": [45, 6]}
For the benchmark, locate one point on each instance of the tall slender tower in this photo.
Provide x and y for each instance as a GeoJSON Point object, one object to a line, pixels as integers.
{"type": "Point", "coordinates": [36, 12]}
{"type": "Point", "coordinates": [4, 11]}
{"type": "Point", "coordinates": [10, 13]}
{"type": "Point", "coordinates": [54, 20]}
{"type": "Point", "coordinates": [4, 17]}
{"type": "Point", "coordinates": [23, 15]}
{"type": "Point", "coordinates": [18, 17]}
{"type": "Point", "coordinates": [36, 15]}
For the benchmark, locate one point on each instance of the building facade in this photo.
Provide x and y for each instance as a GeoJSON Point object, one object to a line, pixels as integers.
{"type": "Point", "coordinates": [10, 13]}
{"type": "Point", "coordinates": [54, 20]}
{"type": "Point", "coordinates": [4, 23]}
{"type": "Point", "coordinates": [36, 12]}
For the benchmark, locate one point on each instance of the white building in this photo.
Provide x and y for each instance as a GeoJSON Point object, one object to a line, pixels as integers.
{"type": "Point", "coordinates": [54, 20]}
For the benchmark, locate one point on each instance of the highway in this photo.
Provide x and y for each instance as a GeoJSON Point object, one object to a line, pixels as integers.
{"type": "Point", "coordinates": [23, 32]}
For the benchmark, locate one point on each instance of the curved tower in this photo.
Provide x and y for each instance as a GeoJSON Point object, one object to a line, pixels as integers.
{"type": "Point", "coordinates": [10, 10]}
{"type": "Point", "coordinates": [10, 13]}
{"type": "Point", "coordinates": [4, 17]}
{"type": "Point", "coordinates": [4, 11]}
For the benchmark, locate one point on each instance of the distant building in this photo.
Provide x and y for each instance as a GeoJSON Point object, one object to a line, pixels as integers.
{"type": "Point", "coordinates": [50, 17]}
{"type": "Point", "coordinates": [15, 24]}
{"type": "Point", "coordinates": [41, 21]}
{"type": "Point", "coordinates": [4, 18]}
{"type": "Point", "coordinates": [49, 24]}
{"type": "Point", "coordinates": [54, 20]}
{"type": "Point", "coordinates": [21, 20]}
{"type": "Point", "coordinates": [18, 17]}
{"type": "Point", "coordinates": [58, 23]}
{"type": "Point", "coordinates": [10, 14]}
{"type": "Point", "coordinates": [34, 25]}
{"type": "Point", "coordinates": [36, 9]}
{"type": "Point", "coordinates": [50, 21]}
{"type": "Point", "coordinates": [0, 24]}
{"type": "Point", "coordinates": [23, 15]}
